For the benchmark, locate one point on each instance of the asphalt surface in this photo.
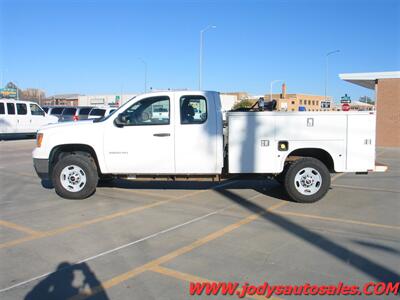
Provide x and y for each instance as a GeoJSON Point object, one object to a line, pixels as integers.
{"type": "Point", "coordinates": [148, 240]}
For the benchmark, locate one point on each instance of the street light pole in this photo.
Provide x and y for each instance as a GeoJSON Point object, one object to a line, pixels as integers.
{"type": "Point", "coordinates": [201, 53]}
{"type": "Point", "coordinates": [270, 90]}
{"type": "Point", "coordinates": [326, 71]}
{"type": "Point", "coordinates": [145, 74]}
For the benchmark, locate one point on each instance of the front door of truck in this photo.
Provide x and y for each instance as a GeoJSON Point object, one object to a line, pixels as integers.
{"type": "Point", "coordinates": [145, 143]}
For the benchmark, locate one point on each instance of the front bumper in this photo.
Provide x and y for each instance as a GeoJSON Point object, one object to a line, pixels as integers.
{"type": "Point", "coordinates": [41, 167]}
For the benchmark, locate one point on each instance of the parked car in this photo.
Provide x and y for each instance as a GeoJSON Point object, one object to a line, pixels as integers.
{"type": "Point", "coordinates": [97, 113]}
{"type": "Point", "coordinates": [55, 110]}
{"type": "Point", "coordinates": [22, 117]}
{"type": "Point", "coordinates": [68, 114]}
{"type": "Point", "coordinates": [82, 113]}
{"type": "Point", "coordinates": [300, 148]}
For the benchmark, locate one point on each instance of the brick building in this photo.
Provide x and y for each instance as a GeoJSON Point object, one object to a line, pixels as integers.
{"type": "Point", "coordinates": [292, 102]}
{"type": "Point", "coordinates": [387, 99]}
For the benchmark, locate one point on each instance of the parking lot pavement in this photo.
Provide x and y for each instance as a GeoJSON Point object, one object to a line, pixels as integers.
{"type": "Point", "coordinates": [148, 240]}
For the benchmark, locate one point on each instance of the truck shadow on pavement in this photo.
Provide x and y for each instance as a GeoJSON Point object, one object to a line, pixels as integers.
{"type": "Point", "coordinates": [62, 284]}
{"type": "Point", "coordinates": [267, 187]}
{"type": "Point", "coordinates": [349, 257]}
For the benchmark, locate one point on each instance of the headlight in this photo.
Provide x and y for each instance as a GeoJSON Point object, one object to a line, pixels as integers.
{"type": "Point", "coordinates": [39, 139]}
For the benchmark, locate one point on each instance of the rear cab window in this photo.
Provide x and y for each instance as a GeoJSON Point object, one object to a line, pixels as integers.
{"type": "Point", "coordinates": [2, 108]}
{"type": "Point", "coordinates": [22, 109]}
{"type": "Point", "coordinates": [84, 111]}
{"type": "Point", "coordinates": [69, 111]}
{"type": "Point", "coordinates": [193, 109]}
{"type": "Point", "coordinates": [56, 111]}
{"type": "Point", "coordinates": [98, 112]}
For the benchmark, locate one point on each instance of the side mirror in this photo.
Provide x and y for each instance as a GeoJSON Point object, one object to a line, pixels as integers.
{"type": "Point", "coordinates": [120, 120]}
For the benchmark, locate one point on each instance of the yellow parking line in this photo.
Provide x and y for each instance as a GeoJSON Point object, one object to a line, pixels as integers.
{"type": "Point", "coordinates": [337, 220]}
{"type": "Point", "coordinates": [355, 187]}
{"type": "Point", "coordinates": [94, 221]}
{"type": "Point", "coordinates": [143, 193]}
{"type": "Point", "coordinates": [19, 228]}
{"type": "Point", "coordinates": [188, 248]}
{"type": "Point", "coordinates": [192, 278]}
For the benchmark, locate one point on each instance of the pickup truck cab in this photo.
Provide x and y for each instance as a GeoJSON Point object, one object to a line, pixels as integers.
{"type": "Point", "coordinates": [300, 149]}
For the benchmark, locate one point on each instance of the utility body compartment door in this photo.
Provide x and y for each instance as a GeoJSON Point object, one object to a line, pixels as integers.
{"type": "Point", "coordinates": [360, 142]}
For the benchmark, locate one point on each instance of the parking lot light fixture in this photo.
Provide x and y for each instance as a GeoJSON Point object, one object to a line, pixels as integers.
{"type": "Point", "coordinates": [145, 73]}
{"type": "Point", "coordinates": [271, 85]}
{"type": "Point", "coordinates": [201, 53]}
{"type": "Point", "coordinates": [326, 71]}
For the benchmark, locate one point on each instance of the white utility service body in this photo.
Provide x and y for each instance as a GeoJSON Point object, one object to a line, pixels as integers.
{"type": "Point", "coordinates": [349, 138]}
{"type": "Point", "coordinates": [133, 143]}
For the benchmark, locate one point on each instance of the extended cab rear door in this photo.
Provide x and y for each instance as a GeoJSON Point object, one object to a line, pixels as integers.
{"type": "Point", "coordinates": [198, 133]}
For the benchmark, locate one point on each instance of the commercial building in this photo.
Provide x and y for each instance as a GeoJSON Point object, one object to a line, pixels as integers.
{"type": "Point", "coordinates": [296, 102]}
{"type": "Point", "coordinates": [87, 100]}
{"type": "Point", "coordinates": [387, 99]}
{"type": "Point", "coordinates": [107, 99]}
{"type": "Point", "coordinates": [61, 99]}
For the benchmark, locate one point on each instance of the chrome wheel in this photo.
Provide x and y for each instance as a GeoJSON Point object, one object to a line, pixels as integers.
{"type": "Point", "coordinates": [308, 181]}
{"type": "Point", "coordinates": [73, 178]}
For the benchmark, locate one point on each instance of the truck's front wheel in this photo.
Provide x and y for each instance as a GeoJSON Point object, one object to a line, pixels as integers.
{"type": "Point", "coordinates": [307, 180]}
{"type": "Point", "coordinates": [75, 176]}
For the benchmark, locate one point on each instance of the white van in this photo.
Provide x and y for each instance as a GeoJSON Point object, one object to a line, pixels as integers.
{"type": "Point", "coordinates": [22, 118]}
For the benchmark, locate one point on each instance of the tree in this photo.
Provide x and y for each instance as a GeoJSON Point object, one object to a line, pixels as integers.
{"type": "Point", "coordinates": [366, 99]}
{"type": "Point", "coordinates": [246, 103]}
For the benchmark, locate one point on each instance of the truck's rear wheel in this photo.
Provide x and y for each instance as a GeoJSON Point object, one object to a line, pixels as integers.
{"type": "Point", "coordinates": [75, 176]}
{"type": "Point", "coordinates": [307, 180]}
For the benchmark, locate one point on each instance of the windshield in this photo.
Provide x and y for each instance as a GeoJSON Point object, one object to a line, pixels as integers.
{"type": "Point", "coordinates": [112, 113]}
{"type": "Point", "coordinates": [97, 112]}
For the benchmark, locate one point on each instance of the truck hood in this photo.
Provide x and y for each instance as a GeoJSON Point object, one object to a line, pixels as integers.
{"type": "Point", "coordinates": [75, 125]}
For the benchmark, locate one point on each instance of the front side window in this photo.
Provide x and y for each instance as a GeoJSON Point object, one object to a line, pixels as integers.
{"type": "Point", "coordinates": [2, 109]}
{"type": "Point", "coordinates": [36, 110]}
{"type": "Point", "coordinates": [193, 109]}
{"type": "Point", "coordinates": [149, 111]}
{"type": "Point", "coordinates": [11, 108]}
{"type": "Point", "coordinates": [21, 109]}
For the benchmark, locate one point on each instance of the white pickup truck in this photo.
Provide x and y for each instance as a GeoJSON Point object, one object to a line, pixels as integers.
{"type": "Point", "coordinates": [300, 149]}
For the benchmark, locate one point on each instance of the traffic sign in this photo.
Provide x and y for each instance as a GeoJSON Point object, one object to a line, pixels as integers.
{"type": "Point", "coordinates": [345, 99]}
{"type": "Point", "coordinates": [345, 107]}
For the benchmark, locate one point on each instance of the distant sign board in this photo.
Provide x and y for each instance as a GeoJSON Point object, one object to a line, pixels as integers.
{"type": "Point", "coordinates": [8, 93]}
{"type": "Point", "coordinates": [97, 101]}
{"type": "Point", "coordinates": [325, 104]}
{"type": "Point", "coordinates": [345, 99]}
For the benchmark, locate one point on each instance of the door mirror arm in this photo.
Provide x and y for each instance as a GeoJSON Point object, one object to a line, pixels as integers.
{"type": "Point", "coordinates": [120, 121]}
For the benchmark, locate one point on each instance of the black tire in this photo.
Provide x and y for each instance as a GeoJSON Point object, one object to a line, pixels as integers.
{"type": "Point", "coordinates": [298, 166]}
{"type": "Point", "coordinates": [88, 166]}
{"type": "Point", "coordinates": [281, 176]}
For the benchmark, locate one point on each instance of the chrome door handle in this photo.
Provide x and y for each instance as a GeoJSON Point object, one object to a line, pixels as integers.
{"type": "Point", "coordinates": [161, 134]}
